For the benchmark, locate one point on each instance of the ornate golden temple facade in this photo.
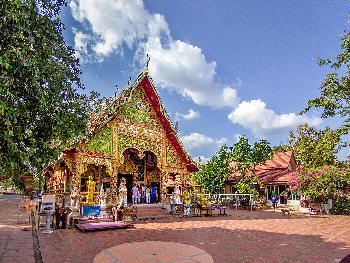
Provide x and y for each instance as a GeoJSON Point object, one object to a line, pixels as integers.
{"type": "Point", "coordinates": [131, 137]}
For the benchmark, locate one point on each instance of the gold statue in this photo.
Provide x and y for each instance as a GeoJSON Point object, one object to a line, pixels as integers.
{"type": "Point", "coordinates": [91, 189]}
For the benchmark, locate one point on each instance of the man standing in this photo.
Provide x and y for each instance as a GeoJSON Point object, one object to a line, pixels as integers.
{"type": "Point", "coordinates": [154, 193]}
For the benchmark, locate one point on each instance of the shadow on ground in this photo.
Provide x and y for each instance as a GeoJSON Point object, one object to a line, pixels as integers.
{"type": "Point", "coordinates": [225, 243]}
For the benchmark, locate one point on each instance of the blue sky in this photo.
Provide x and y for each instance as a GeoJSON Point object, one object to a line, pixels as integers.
{"type": "Point", "coordinates": [222, 68]}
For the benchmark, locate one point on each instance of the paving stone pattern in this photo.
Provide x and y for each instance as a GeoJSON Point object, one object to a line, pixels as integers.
{"type": "Point", "coordinates": [243, 236]}
{"type": "Point", "coordinates": [16, 245]}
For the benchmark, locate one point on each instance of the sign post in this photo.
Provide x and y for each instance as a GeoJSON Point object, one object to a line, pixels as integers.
{"type": "Point", "coordinates": [48, 208]}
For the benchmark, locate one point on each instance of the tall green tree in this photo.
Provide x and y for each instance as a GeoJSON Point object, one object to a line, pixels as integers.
{"type": "Point", "coordinates": [213, 175]}
{"type": "Point", "coordinates": [41, 109]}
{"type": "Point", "coordinates": [246, 157]}
{"type": "Point", "coordinates": [335, 89]}
{"type": "Point", "coordinates": [313, 147]}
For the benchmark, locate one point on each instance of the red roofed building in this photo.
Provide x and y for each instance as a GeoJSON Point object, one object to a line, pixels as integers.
{"type": "Point", "coordinates": [130, 137]}
{"type": "Point", "coordinates": [275, 174]}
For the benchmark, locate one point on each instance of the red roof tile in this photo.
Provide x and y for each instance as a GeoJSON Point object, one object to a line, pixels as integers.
{"type": "Point", "coordinates": [274, 171]}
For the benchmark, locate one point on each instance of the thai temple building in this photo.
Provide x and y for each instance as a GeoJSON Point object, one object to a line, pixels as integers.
{"type": "Point", "coordinates": [130, 137]}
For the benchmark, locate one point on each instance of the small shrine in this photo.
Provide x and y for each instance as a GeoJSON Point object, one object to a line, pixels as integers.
{"type": "Point", "coordinates": [131, 143]}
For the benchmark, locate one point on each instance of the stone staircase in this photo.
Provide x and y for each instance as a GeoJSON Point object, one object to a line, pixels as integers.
{"type": "Point", "coordinates": [151, 211]}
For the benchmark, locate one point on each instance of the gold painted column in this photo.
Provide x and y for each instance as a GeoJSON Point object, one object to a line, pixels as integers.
{"type": "Point", "coordinates": [115, 163]}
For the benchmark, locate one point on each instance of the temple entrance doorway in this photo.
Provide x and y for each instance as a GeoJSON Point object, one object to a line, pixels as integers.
{"type": "Point", "coordinates": [129, 184]}
{"type": "Point", "coordinates": [142, 170]}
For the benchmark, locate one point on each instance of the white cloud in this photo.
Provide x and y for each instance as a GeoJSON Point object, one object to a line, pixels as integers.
{"type": "Point", "coordinates": [114, 25]}
{"type": "Point", "coordinates": [201, 159]}
{"type": "Point", "coordinates": [183, 68]}
{"type": "Point", "coordinates": [81, 41]}
{"type": "Point", "coordinates": [197, 141]}
{"type": "Point", "coordinates": [188, 116]}
{"type": "Point", "coordinates": [261, 121]}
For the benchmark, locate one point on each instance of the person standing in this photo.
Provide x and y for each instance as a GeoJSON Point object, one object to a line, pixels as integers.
{"type": "Point", "coordinates": [274, 200]}
{"type": "Point", "coordinates": [154, 194]}
{"type": "Point", "coordinates": [143, 193]}
{"type": "Point", "coordinates": [134, 194]}
{"type": "Point", "coordinates": [148, 195]}
{"type": "Point", "coordinates": [139, 192]}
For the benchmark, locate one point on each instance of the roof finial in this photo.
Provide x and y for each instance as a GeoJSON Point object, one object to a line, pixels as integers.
{"type": "Point", "coordinates": [147, 62]}
{"type": "Point", "coordinates": [116, 90]}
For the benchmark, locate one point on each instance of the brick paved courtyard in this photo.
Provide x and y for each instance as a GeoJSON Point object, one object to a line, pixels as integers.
{"type": "Point", "coordinates": [16, 245]}
{"type": "Point", "coordinates": [243, 236]}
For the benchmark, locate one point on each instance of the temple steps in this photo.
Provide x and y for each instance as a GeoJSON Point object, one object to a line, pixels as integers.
{"type": "Point", "coordinates": [146, 212]}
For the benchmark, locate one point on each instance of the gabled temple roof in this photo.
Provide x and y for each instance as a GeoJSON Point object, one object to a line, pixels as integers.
{"type": "Point", "coordinates": [106, 114]}
{"type": "Point", "coordinates": [274, 171]}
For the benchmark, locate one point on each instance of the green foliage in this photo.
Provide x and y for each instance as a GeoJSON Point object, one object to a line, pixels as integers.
{"type": "Point", "coordinates": [8, 183]}
{"type": "Point", "coordinates": [41, 110]}
{"type": "Point", "coordinates": [341, 207]}
{"type": "Point", "coordinates": [213, 175]}
{"type": "Point", "coordinates": [246, 186]}
{"type": "Point", "coordinates": [281, 148]}
{"type": "Point", "coordinates": [322, 183]}
{"type": "Point", "coordinates": [247, 157]}
{"type": "Point", "coordinates": [314, 148]}
{"type": "Point", "coordinates": [335, 89]}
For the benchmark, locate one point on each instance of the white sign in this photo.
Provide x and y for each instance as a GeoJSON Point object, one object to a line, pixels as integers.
{"type": "Point", "coordinates": [48, 204]}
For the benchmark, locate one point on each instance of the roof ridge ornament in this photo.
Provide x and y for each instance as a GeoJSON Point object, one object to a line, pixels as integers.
{"type": "Point", "coordinates": [148, 59]}
{"type": "Point", "coordinates": [129, 81]}
{"type": "Point", "coordinates": [116, 90]}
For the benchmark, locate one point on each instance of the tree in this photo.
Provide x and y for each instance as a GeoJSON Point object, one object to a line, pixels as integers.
{"type": "Point", "coordinates": [40, 108]}
{"type": "Point", "coordinates": [213, 175]}
{"type": "Point", "coordinates": [335, 89]}
{"type": "Point", "coordinates": [281, 148]}
{"type": "Point", "coordinates": [314, 148]}
{"type": "Point", "coordinates": [322, 183]}
{"type": "Point", "coordinates": [246, 157]}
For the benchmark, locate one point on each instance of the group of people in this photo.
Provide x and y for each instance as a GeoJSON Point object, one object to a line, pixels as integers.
{"type": "Point", "coordinates": [144, 194]}
{"type": "Point", "coordinates": [282, 198]}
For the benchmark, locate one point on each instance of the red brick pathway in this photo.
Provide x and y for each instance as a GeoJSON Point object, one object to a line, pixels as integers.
{"type": "Point", "coordinates": [16, 245]}
{"type": "Point", "coordinates": [153, 251]}
{"type": "Point", "coordinates": [243, 236]}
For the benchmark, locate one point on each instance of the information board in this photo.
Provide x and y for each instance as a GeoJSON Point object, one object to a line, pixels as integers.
{"type": "Point", "coordinates": [48, 204]}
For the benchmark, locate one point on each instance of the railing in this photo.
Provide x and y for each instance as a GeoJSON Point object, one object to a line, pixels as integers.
{"type": "Point", "coordinates": [230, 199]}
